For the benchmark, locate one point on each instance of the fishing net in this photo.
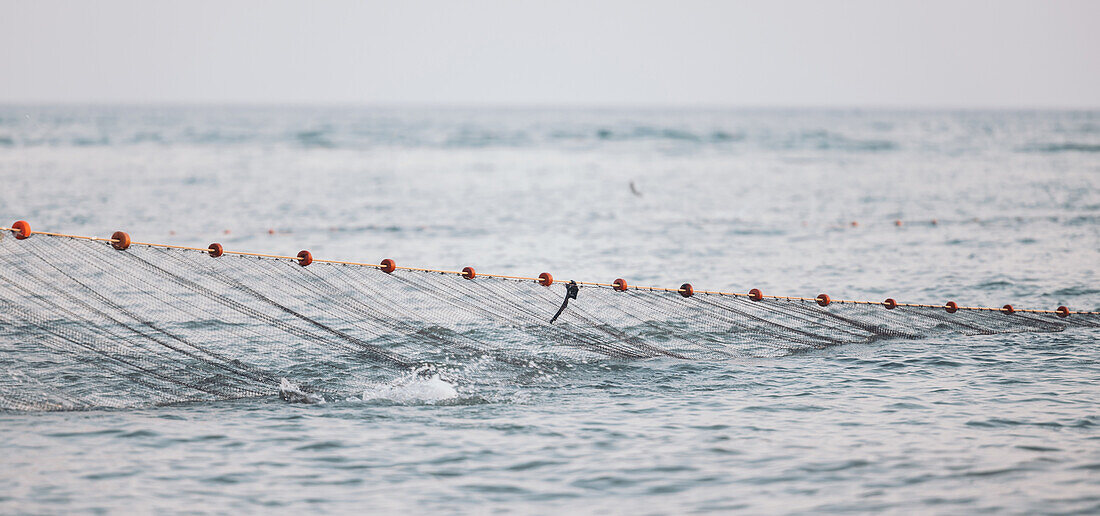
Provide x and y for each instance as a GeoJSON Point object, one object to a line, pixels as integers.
{"type": "Point", "coordinates": [86, 325]}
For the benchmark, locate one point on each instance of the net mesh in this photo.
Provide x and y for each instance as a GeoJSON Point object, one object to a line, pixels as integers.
{"type": "Point", "coordinates": [88, 326]}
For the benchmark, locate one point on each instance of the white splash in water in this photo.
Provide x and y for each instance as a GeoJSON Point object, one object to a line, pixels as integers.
{"type": "Point", "coordinates": [413, 390]}
{"type": "Point", "coordinates": [292, 393]}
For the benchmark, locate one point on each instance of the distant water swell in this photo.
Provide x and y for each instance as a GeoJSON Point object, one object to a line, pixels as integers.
{"type": "Point", "coordinates": [461, 137]}
{"type": "Point", "coordinates": [357, 128]}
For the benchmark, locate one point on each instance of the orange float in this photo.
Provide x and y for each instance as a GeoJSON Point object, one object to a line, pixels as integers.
{"type": "Point", "coordinates": [22, 230]}
{"type": "Point", "coordinates": [388, 266]}
{"type": "Point", "coordinates": [121, 241]}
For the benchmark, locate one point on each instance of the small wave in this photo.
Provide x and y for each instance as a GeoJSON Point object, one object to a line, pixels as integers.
{"type": "Point", "coordinates": [667, 133]}
{"type": "Point", "coordinates": [821, 139]}
{"type": "Point", "coordinates": [315, 139]}
{"type": "Point", "coordinates": [147, 137]}
{"type": "Point", "coordinates": [833, 467]}
{"type": "Point", "coordinates": [1037, 448]}
{"type": "Point", "coordinates": [472, 137]}
{"type": "Point", "coordinates": [1051, 148]}
{"type": "Point", "coordinates": [838, 142]}
{"type": "Point", "coordinates": [82, 141]}
{"type": "Point", "coordinates": [1079, 290]}
{"type": "Point", "coordinates": [215, 137]}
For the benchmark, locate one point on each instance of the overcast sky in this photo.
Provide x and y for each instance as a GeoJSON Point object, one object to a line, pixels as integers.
{"type": "Point", "coordinates": [1005, 53]}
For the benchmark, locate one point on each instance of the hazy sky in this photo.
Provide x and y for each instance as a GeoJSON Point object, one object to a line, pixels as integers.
{"type": "Point", "coordinates": [1004, 53]}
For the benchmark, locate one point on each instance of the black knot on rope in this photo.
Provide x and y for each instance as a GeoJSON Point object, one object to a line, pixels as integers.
{"type": "Point", "coordinates": [571, 290]}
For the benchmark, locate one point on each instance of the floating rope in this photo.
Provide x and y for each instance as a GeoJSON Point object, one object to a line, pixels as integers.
{"type": "Point", "coordinates": [121, 240]}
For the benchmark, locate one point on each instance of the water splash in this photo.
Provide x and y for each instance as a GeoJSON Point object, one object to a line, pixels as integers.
{"type": "Point", "coordinates": [292, 393]}
{"type": "Point", "coordinates": [412, 390]}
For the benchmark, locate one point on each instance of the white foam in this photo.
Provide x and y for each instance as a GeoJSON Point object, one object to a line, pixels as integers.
{"type": "Point", "coordinates": [412, 391]}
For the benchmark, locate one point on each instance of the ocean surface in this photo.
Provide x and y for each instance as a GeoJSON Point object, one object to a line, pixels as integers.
{"type": "Point", "coordinates": [981, 207]}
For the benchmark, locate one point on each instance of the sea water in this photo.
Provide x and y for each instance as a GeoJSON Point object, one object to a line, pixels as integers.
{"type": "Point", "coordinates": [984, 208]}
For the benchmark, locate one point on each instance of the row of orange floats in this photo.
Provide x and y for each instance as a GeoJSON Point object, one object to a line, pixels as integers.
{"type": "Point", "coordinates": [120, 240]}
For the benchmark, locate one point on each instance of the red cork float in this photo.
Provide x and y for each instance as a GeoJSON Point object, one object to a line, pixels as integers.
{"type": "Point", "coordinates": [388, 266]}
{"type": "Point", "coordinates": [304, 258]}
{"type": "Point", "coordinates": [951, 307]}
{"type": "Point", "coordinates": [823, 300]}
{"type": "Point", "coordinates": [545, 279]}
{"type": "Point", "coordinates": [1062, 311]}
{"type": "Point", "coordinates": [1008, 309]}
{"type": "Point", "coordinates": [22, 230]}
{"type": "Point", "coordinates": [469, 273]}
{"type": "Point", "coordinates": [686, 290]}
{"type": "Point", "coordinates": [890, 304]}
{"type": "Point", "coordinates": [756, 295]}
{"type": "Point", "coordinates": [620, 284]}
{"type": "Point", "coordinates": [121, 241]}
{"type": "Point", "coordinates": [216, 250]}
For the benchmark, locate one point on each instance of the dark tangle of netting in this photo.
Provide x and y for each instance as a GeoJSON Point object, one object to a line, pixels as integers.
{"type": "Point", "coordinates": [89, 326]}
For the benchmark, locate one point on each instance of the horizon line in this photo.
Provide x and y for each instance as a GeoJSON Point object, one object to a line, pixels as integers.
{"type": "Point", "coordinates": [542, 105]}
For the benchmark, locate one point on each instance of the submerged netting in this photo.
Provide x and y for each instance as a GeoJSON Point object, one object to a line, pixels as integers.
{"type": "Point", "coordinates": [88, 325]}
